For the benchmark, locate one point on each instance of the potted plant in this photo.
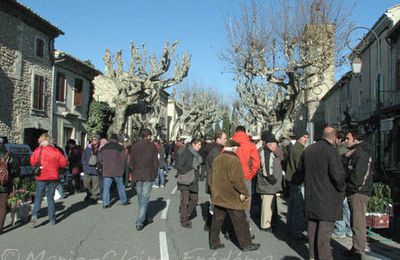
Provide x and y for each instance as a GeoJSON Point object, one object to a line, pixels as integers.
{"type": "Point", "coordinates": [379, 206]}
{"type": "Point", "coordinates": [19, 199]}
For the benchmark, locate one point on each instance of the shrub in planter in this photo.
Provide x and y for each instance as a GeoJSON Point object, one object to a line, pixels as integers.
{"type": "Point", "coordinates": [380, 200]}
{"type": "Point", "coordinates": [379, 206]}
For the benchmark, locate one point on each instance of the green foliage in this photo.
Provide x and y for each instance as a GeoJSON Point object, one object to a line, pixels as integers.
{"type": "Point", "coordinates": [22, 191]}
{"type": "Point", "coordinates": [100, 118]}
{"type": "Point", "coordinates": [380, 200]}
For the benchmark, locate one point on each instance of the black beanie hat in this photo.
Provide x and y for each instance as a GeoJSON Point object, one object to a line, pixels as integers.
{"type": "Point", "coordinates": [268, 137]}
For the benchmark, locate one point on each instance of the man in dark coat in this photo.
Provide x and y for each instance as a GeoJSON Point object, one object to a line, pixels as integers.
{"type": "Point", "coordinates": [295, 213]}
{"type": "Point", "coordinates": [144, 164]}
{"type": "Point", "coordinates": [324, 177]}
{"type": "Point", "coordinates": [229, 196]}
{"type": "Point", "coordinates": [212, 151]}
{"type": "Point", "coordinates": [112, 157]}
{"type": "Point", "coordinates": [359, 187]}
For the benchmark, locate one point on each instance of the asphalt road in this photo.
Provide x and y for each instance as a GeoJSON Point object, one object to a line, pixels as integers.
{"type": "Point", "coordinates": [86, 231]}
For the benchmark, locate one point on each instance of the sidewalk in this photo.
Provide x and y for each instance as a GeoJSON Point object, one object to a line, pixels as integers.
{"type": "Point", "coordinates": [378, 247]}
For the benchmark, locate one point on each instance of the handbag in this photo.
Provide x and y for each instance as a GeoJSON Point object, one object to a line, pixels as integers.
{"type": "Point", "coordinates": [37, 169]}
{"type": "Point", "coordinates": [271, 179]}
{"type": "Point", "coordinates": [187, 178]}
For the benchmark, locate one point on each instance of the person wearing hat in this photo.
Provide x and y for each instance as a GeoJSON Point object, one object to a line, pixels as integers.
{"type": "Point", "coordinates": [229, 196]}
{"type": "Point", "coordinates": [112, 158]}
{"type": "Point", "coordinates": [295, 218]}
{"type": "Point", "coordinates": [91, 180]}
{"type": "Point", "coordinates": [269, 180]}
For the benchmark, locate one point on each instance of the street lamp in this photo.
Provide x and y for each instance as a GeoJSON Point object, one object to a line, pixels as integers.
{"type": "Point", "coordinates": [356, 65]}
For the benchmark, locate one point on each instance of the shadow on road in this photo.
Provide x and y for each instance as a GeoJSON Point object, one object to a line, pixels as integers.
{"type": "Point", "coordinates": [155, 206]}
{"type": "Point", "coordinates": [60, 216]}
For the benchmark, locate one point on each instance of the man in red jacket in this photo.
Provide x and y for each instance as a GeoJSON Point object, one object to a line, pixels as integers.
{"type": "Point", "coordinates": [249, 158]}
{"type": "Point", "coordinates": [50, 160]}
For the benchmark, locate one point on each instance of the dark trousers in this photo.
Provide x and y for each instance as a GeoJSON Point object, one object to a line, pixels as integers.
{"type": "Point", "coordinates": [319, 237]}
{"type": "Point", "coordinates": [3, 209]}
{"type": "Point", "coordinates": [239, 223]}
{"type": "Point", "coordinates": [92, 186]}
{"type": "Point", "coordinates": [358, 207]}
{"type": "Point", "coordinates": [188, 204]}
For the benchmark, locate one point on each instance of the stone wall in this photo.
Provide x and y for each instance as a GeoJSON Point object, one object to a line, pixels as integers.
{"type": "Point", "coordinates": [18, 65]}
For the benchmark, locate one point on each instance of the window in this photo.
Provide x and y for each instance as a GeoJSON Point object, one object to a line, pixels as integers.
{"type": "Point", "coordinates": [39, 47]}
{"type": "Point", "coordinates": [61, 82]}
{"type": "Point", "coordinates": [78, 93]}
{"type": "Point", "coordinates": [38, 93]}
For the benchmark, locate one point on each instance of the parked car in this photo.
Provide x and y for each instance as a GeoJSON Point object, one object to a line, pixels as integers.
{"type": "Point", "coordinates": [19, 159]}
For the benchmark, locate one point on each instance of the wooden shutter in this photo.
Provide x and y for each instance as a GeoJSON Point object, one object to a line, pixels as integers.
{"type": "Point", "coordinates": [60, 87]}
{"type": "Point", "coordinates": [78, 93]}
{"type": "Point", "coordinates": [38, 93]}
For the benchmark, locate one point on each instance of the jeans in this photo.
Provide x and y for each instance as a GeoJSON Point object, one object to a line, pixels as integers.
{"type": "Point", "coordinates": [160, 177]}
{"type": "Point", "coordinates": [143, 190]}
{"type": "Point", "coordinates": [247, 210]}
{"type": "Point", "coordinates": [107, 181]}
{"type": "Point", "coordinates": [41, 186]}
{"type": "Point", "coordinates": [295, 220]}
{"type": "Point", "coordinates": [342, 227]}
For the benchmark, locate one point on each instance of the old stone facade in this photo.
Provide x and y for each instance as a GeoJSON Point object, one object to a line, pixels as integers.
{"type": "Point", "coordinates": [26, 46]}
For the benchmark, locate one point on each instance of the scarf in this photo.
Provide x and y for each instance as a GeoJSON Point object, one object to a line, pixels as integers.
{"type": "Point", "coordinates": [267, 159]}
{"type": "Point", "coordinates": [197, 160]}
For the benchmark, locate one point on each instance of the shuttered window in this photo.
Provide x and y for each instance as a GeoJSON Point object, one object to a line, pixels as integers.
{"type": "Point", "coordinates": [78, 93]}
{"type": "Point", "coordinates": [61, 84]}
{"type": "Point", "coordinates": [39, 47]}
{"type": "Point", "coordinates": [38, 93]}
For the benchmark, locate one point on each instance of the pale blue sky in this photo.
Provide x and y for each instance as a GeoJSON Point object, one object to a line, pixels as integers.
{"type": "Point", "coordinates": [91, 26]}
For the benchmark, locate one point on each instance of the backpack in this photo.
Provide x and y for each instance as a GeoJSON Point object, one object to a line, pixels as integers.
{"type": "Point", "coordinates": [3, 170]}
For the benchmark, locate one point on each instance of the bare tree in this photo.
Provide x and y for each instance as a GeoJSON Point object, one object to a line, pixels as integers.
{"type": "Point", "coordinates": [137, 90]}
{"type": "Point", "coordinates": [284, 55]}
{"type": "Point", "coordinates": [198, 109]}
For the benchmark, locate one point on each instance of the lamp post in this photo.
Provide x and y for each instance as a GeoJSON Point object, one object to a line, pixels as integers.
{"type": "Point", "coordinates": [356, 65]}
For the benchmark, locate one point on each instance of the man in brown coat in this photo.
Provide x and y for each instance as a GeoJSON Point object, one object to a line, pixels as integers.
{"type": "Point", "coordinates": [229, 195]}
{"type": "Point", "coordinates": [144, 164]}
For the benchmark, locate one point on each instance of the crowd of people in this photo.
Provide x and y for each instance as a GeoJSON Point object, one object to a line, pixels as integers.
{"type": "Point", "coordinates": [319, 181]}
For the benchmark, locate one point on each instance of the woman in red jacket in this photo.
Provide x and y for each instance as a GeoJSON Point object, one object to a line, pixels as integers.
{"type": "Point", "coordinates": [51, 160]}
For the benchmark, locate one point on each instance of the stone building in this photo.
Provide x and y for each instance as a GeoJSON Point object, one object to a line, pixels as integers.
{"type": "Point", "coordinates": [73, 90]}
{"type": "Point", "coordinates": [353, 101]}
{"type": "Point", "coordinates": [26, 63]}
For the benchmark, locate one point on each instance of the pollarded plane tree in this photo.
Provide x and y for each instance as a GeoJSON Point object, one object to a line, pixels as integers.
{"type": "Point", "coordinates": [283, 55]}
{"type": "Point", "coordinates": [198, 109]}
{"type": "Point", "coordinates": [138, 88]}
